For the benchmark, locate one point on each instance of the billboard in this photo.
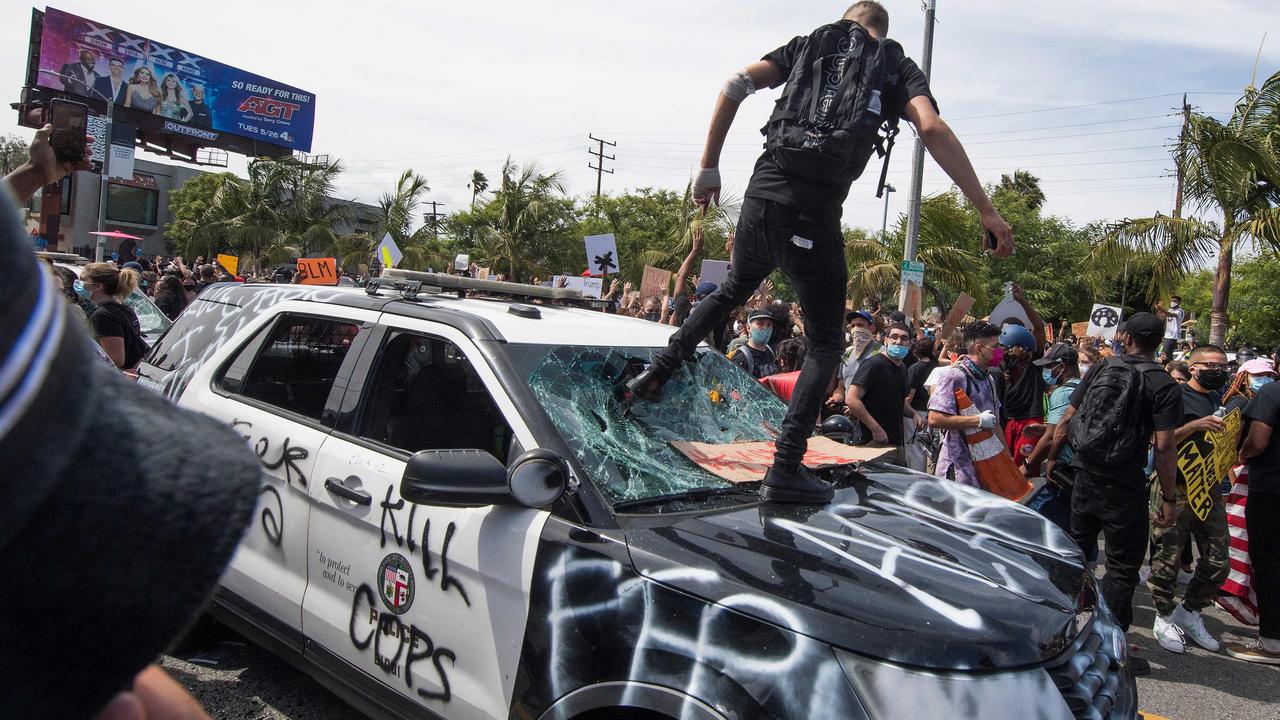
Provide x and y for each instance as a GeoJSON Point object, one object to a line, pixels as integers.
{"type": "Point", "coordinates": [190, 95]}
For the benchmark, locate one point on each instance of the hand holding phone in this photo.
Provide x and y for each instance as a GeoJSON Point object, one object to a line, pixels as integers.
{"type": "Point", "coordinates": [69, 120]}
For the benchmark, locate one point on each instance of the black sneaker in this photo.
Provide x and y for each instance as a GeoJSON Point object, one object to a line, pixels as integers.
{"type": "Point", "coordinates": [799, 486]}
{"type": "Point", "coordinates": [647, 386]}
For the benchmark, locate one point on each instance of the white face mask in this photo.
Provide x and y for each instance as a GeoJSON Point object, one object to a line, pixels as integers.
{"type": "Point", "coordinates": [1084, 368]}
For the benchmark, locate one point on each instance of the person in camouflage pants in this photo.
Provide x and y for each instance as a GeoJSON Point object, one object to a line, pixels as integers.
{"type": "Point", "coordinates": [1174, 623]}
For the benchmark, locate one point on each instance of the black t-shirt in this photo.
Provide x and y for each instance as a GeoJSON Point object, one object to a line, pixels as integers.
{"type": "Point", "coordinates": [1196, 405]}
{"type": "Point", "coordinates": [115, 319]}
{"type": "Point", "coordinates": [1163, 402]}
{"type": "Point", "coordinates": [1024, 391]}
{"type": "Point", "coordinates": [916, 375]}
{"type": "Point", "coordinates": [1264, 470]}
{"type": "Point", "coordinates": [760, 363]}
{"type": "Point", "coordinates": [770, 182]}
{"type": "Point", "coordinates": [885, 383]}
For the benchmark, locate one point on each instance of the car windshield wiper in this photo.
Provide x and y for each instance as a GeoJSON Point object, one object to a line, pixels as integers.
{"type": "Point", "coordinates": [693, 494]}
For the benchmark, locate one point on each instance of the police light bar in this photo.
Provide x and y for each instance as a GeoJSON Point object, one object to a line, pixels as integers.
{"type": "Point", "coordinates": [495, 287]}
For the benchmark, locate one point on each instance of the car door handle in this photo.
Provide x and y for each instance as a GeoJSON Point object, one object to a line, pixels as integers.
{"type": "Point", "coordinates": [355, 495]}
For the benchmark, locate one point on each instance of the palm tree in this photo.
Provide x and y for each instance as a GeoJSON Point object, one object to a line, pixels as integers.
{"type": "Point", "coordinates": [522, 200]}
{"type": "Point", "coordinates": [1025, 186]}
{"type": "Point", "coordinates": [397, 210]}
{"type": "Point", "coordinates": [1231, 169]}
{"type": "Point", "coordinates": [875, 262]}
{"type": "Point", "coordinates": [479, 183]}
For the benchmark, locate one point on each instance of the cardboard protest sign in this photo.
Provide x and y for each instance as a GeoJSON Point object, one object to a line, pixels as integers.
{"type": "Point", "coordinates": [749, 461]}
{"type": "Point", "coordinates": [1204, 459]}
{"type": "Point", "coordinates": [914, 301]}
{"type": "Point", "coordinates": [589, 287]}
{"type": "Point", "coordinates": [1080, 329]}
{"type": "Point", "coordinates": [482, 273]}
{"type": "Point", "coordinates": [602, 254]}
{"type": "Point", "coordinates": [656, 282]}
{"type": "Point", "coordinates": [715, 271]}
{"type": "Point", "coordinates": [230, 263]}
{"type": "Point", "coordinates": [388, 252]}
{"type": "Point", "coordinates": [963, 304]}
{"type": "Point", "coordinates": [318, 271]}
{"type": "Point", "coordinates": [1103, 321]}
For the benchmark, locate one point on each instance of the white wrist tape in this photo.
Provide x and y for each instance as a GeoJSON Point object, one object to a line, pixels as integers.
{"type": "Point", "coordinates": [706, 180]}
{"type": "Point", "coordinates": [738, 86]}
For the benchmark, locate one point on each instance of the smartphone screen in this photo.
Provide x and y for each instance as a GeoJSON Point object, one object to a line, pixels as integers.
{"type": "Point", "coordinates": [69, 120]}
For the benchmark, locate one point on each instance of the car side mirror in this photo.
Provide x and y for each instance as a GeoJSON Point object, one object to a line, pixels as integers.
{"type": "Point", "coordinates": [455, 478]}
{"type": "Point", "coordinates": [537, 478]}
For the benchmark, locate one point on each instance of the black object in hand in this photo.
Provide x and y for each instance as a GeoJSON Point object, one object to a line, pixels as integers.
{"type": "Point", "coordinates": [69, 120]}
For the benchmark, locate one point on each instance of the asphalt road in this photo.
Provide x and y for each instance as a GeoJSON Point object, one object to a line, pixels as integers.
{"type": "Point", "coordinates": [233, 678]}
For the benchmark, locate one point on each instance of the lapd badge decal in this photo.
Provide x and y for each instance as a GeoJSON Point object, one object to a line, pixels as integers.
{"type": "Point", "coordinates": [395, 580]}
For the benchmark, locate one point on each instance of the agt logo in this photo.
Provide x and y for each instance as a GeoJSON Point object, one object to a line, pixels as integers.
{"type": "Point", "coordinates": [268, 107]}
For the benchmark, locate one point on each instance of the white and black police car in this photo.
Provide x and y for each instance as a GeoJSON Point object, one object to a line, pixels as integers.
{"type": "Point", "coordinates": [459, 520]}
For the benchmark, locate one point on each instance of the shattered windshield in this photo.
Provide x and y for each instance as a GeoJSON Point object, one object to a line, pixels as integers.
{"type": "Point", "coordinates": [627, 451]}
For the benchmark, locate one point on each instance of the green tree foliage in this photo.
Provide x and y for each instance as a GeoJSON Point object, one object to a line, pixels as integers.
{"type": "Point", "coordinates": [191, 204]}
{"type": "Point", "coordinates": [1231, 170]}
{"type": "Point", "coordinates": [1254, 304]}
{"type": "Point", "coordinates": [13, 153]}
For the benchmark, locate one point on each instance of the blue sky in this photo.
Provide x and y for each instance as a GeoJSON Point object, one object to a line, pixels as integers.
{"type": "Point", "coordinates": [448, 88]}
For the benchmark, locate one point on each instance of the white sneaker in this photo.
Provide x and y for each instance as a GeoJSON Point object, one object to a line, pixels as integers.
{"type": "Point", "coordinates": [1192, 624]}
{"type": "Point", "coordinates": [1169, 635]}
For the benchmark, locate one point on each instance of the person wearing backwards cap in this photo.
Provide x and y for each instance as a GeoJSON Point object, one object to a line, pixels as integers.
{"type": "Point", "coordinates": [118, 510]}
{"type": "Point", "coordinates": [755, 356]}
{"type": "Point", "coordinates": [1110, 493]}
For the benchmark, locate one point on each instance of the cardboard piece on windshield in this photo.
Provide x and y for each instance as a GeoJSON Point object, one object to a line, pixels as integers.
{"type": "Point", "coordinates": [749, 461]}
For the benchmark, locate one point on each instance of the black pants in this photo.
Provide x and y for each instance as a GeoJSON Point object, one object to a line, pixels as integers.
{"type": "Point", "coordinates": [1169, 346]}
{"type": "Point", "coordinates": [1262, 518]}
{"type": "Point", "coordinates": [1115, 505]}
{"type": "Point", "coordinates": [810, 251]}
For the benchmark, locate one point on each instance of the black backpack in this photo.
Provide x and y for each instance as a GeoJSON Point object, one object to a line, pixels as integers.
{"type": "Point", "coordinates": [829, 118]}
{"type": "Point", "coordinates": [1113, 422]}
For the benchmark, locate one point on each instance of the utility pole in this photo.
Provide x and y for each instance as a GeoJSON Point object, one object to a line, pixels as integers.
{"type": "Point", "coordinates": [433, 219]}
{"type": "Point", "coordinates": [1186, 125]}
{"type": "Point", "coordinates": [917, 156]}
{"type": "Point", "coordinates": [600, 158]}
{"type": "Point", "coordinates": [884, 224]}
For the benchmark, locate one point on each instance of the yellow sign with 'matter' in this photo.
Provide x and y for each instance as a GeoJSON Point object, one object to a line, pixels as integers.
{"type": "Point", "coordinates": [1204, 459]}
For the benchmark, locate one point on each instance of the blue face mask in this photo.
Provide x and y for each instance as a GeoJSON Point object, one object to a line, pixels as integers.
{"type": "Point", "coordinates": [897, 352]}
{"type": "Point", "coordinates": [761, 336]}
{"type": "Point", "coordinates": [1047, 374]}
{"type": "Point", "coordinates": [1256, 383]}
{"type": "Point", "coordinates": [81, 290]}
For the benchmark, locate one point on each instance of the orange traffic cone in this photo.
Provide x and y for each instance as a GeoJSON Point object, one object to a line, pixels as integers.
{"type": "Point", "coordinates": [995, 468]}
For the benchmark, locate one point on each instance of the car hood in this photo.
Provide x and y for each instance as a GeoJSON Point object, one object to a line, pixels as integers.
{"type": "Point", "coordinates": [899, 566]}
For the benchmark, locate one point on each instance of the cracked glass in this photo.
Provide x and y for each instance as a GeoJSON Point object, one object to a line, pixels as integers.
{"type": "Point", "coordinates": [627, 451]}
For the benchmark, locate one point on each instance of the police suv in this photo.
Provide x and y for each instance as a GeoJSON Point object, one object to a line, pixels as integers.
{"type": "Point", "coordinates": [461, 520]}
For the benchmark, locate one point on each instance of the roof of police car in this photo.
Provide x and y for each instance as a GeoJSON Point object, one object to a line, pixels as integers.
{"type": "Point", "coordinates": [555, 325]}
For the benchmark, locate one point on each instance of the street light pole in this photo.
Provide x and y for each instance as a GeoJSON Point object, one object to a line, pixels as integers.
{"type": "Point", "coordinates": [101, 250]}
{"type": "Point", "coordinates": [884, 224]}
{"type": "Point", "coordinates": [917, 156]}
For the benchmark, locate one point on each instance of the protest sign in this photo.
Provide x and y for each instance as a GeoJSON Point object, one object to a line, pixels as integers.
{"type": "Point", "coordinates": [749, 461]}
{"type": "Point", "coordinates": [1080, 329]}
{"type": "Point", "coordinates": [388, 252]}
{"type": "Point", "coordinates": [230, 263]}
{"type": "Point", "coordinates": [656, 282]}
{"type": "Point", "coordinates": [1204, 459]}
{"type": "Point", "coordinates": [318, 271]}
{"type": "Point", "coordinates": [602, 254]}
{"type": "Point", "coordinates": [714, 271]}
{"type": "Point", "coordinates": [958, 311]}
{"type": "Point", "coordinates": [1103, 321]}
{"type": "Point", "coordinates": [462, 262]}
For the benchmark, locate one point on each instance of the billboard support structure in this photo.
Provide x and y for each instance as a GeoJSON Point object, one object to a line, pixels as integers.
{"type": "Point", "coordinates": [100, 247]}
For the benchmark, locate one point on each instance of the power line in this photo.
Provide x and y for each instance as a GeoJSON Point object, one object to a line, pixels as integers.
{"type": "Point", "coordinates": [1085, 105]}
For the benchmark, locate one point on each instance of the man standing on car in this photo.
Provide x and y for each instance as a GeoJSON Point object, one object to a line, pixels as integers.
{"type": "Point", "coordinates": [820, 138]}
{"type": "Point", "coordinates": [1110, 444]}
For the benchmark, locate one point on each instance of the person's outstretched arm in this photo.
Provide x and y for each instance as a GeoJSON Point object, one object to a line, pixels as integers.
{"type": "Point", "coordinates": [759, 74]}
{"type": "Point", "coordinates": [946, 149]}
{"type": "Point", "coordinates": [42, 167]}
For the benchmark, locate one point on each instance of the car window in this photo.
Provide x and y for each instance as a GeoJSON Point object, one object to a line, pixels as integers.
{"type": "Point", "coordinates": [628, 452]}
{"type": "Point", "coordinates": [150, 319]}
{"type": "Point", "coordinates": [424, 394]}
{"type": "Point", "coordinates": [295, 367]}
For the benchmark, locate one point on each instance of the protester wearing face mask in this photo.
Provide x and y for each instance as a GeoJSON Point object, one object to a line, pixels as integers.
{"type": "Point", "coordinates": [1172, 324]}
{"type": "Point", "coordinates": [877, 397]}
{"type": "Point", "coordinates": [1060, 372]}
{"type": "Point", "coordinates": [755, 356]}
{"type": "Point", "coordinates": [862, 345]}
{"type": "Point", "coordinates": [651, 308]}
{"type": "Point", "coordinates": [114, 323]}
{"type": "Point", "coordinates": [1176, 623]}
{"type": "Point", "coordinates": [969, 374]}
